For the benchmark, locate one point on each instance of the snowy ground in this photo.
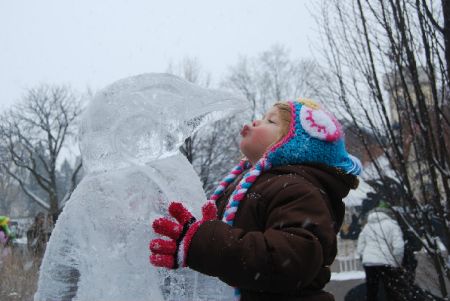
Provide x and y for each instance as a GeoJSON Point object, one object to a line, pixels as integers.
{"type": "Point", "coordinates": [347, 275]}
{"type": "Point", "coordinates": [342, 282]}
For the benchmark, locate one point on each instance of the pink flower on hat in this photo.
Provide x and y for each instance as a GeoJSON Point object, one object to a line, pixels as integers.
{"type": "Point", "coordinates": [320, 124]}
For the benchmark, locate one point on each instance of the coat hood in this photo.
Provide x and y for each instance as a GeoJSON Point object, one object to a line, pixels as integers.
{"type": "Point", "coordinates": [335, 183]}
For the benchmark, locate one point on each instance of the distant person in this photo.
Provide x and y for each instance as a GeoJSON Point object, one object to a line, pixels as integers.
{"type": "Point", "coordinates": [48, 226]}
{"type": "Point", "coordinates": [351, 231]}
{"type": "Point", "coordinates": [6, 237]}
{"type": "Point", "coordinates": [381, 247]}
{"type": "Point", "coordinates": [354, 228]}
{"type": "Point", "coordinates": [37, 235]}
{"type": "Point", "coordinates": [4, 227]}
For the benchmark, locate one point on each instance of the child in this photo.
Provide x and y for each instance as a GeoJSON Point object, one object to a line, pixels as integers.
{"type": "Point", "coordinates": [280, 210]}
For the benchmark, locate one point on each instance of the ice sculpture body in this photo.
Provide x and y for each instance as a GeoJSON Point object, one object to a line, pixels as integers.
{"type": "Point", "coordinates": [130, 136]}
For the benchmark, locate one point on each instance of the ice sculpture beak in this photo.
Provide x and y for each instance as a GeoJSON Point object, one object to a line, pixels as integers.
{"type": "Point", "coordinates": [147, 117]}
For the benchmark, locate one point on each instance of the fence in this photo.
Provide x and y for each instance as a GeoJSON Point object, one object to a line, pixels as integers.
{"type": "Point", "coordinates": [347, 259]}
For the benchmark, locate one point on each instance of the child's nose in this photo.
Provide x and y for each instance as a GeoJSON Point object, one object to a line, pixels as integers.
{"type": "Point", "coordinates": [255, 122]}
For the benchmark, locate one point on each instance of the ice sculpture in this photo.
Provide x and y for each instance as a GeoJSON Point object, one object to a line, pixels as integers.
{"type": "Point", "coordinates": [130, 137]}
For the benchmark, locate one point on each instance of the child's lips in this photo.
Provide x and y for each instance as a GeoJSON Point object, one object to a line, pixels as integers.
{"type": "Point", "coordinates": [245, 130]}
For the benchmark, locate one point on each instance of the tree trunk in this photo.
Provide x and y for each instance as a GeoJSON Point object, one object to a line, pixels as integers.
{"type": "Point", "coordinates": [446, 32]}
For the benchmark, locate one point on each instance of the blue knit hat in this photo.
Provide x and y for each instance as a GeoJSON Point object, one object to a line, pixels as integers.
{"type": "Point", "coordinates": [315, 136]}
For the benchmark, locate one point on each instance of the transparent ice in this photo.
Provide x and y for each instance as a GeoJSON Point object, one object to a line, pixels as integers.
{"type": "Point", "coordinates": [129, 139]}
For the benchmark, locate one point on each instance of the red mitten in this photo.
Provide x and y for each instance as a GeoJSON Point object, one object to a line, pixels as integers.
{"type": "Point", "coordinates": [172, 253]}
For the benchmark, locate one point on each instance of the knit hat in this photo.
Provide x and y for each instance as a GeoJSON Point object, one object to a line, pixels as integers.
{"type": "Point", "coordinates": [315, 136]}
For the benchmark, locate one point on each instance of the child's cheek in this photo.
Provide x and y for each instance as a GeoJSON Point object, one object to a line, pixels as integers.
{"type": "Point", "coordinates": [248, 144]}
{"type": "Point", "coordinates": [259, 136]}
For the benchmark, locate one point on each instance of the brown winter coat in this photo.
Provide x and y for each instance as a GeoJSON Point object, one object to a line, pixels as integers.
{"type": "Point", "coordinates": [284, 235]}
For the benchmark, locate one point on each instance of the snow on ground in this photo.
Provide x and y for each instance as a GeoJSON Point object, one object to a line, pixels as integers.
{"type": "Point", "coordinates": [342, 276]}
{"type": "Point", "coordinates": [20, 241]}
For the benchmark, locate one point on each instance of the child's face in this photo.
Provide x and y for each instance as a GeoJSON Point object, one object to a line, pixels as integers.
{"type": "Point", "coordinates": [261, 134]}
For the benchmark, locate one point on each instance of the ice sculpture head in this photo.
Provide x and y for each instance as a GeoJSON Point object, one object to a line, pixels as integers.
{"type": "Point", "coordinates": [147, 117]}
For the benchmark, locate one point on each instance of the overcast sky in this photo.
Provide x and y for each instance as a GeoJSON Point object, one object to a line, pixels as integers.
{"type": "Point", "coordinates": [93, 43]}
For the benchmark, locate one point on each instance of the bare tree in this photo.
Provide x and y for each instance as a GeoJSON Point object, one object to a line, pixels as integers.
{"type": "Point", "coordinates": [33, 134]}
{"type": "Point", "coordinates": [389, 66]}
{"type": "Point", "coordinates": [262, 80]}
{"type": "Point", "coordinates": [217, 151]}
{"type": "Point", "coordinates": [191, 70]}
{"type": "Point", "coordinates": [8, 190]}
{"type": "Point", "coordinates": [274, 76]}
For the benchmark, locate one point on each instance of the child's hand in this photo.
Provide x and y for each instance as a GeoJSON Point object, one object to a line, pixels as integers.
{"type": "Point", "coordinates": [172, 253]}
